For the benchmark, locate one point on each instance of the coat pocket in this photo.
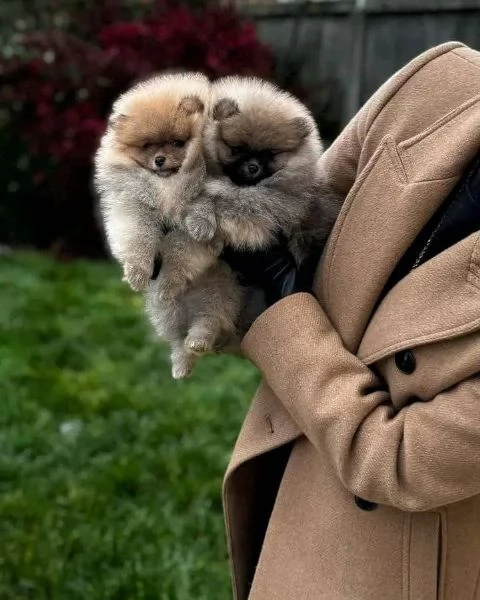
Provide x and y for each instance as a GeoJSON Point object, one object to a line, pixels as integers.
{"type": "Point", "coordinates": [423, 556]}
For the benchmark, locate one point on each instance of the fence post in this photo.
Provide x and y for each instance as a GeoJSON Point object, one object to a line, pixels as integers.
{"type": "Point", "coordinates": [359, 30]}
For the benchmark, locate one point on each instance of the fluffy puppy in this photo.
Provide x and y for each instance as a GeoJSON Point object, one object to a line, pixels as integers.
{"type": "Point", "coordinates": [149, 171]}
{"type": "Point", "coordinates": [262, 150]}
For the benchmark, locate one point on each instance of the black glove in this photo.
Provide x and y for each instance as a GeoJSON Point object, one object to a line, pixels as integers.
{"type": "Point", "coordinates": [273, 269]}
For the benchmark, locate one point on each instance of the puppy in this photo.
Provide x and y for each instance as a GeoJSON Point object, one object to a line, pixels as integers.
{"type": "Point", "coordinates": [262, 151]}
{"type": "Point", "coordinates": [262, 148]}
{"type": "Point", "coordinates": [149, 171]}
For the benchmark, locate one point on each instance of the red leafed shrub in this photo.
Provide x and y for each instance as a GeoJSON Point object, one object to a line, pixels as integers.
{"type": "Point", "coordinates": [57, 89]}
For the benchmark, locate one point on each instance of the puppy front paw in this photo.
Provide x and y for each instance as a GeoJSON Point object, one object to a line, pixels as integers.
{"type": "Point", "coordinates": [201, 228]}
{"type": "Point", "coordinates": [137, 277]}
{"type": "Point", "coordinates": [181, 371]}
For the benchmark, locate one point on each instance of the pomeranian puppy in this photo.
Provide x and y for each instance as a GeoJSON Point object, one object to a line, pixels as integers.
{"type": "Point", "coordinates": [149, 171]}
{"type": "Point", "coordinates": [262, 150]}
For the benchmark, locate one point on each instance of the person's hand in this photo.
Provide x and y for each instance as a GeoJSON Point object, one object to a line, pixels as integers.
{"type": "Point", "coordinates": [273, 269]}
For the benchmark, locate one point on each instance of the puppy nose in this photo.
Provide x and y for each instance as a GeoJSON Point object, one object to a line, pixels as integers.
{"type": "Point", "coordinates": [253, 167]}
{"type": "Point", "coordinates": [159, 161]}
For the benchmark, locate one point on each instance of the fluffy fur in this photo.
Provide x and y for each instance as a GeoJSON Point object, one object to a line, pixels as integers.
{"type": "Point", "coordinates": [150, 169]}
{"type": "Point", "coordinates": [262, 149]}
{"type": "Point", "coordinates": [256, 177]}
{"type": "Point", "coordinates": [200, 320]}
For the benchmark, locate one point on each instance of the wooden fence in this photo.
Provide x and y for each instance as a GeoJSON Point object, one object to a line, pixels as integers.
{"type": "Point", "coordinates": [344, 49]}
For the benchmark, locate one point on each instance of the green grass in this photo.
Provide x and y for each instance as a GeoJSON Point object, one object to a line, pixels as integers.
{"type": "Point", "coordinates": [110, 471]}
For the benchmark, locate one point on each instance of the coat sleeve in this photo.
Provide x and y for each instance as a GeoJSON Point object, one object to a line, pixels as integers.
{"type": "Point", "coordinates": [422, 457]}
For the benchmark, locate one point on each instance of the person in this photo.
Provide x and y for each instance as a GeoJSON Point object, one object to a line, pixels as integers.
{"type": "Point", "coordinates": [356, 474]}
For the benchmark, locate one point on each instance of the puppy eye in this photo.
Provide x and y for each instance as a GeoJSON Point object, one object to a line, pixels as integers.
{"type": "Point", "coordinates": [236, 150]}
{"type": "Point", "coordinates": [147, 145]}
{"type": "Point", "coordinates": [178, 143]}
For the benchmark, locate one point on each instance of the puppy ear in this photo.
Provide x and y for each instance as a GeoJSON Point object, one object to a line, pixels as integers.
{"type": "Point", "coordinates": [225, 108]}
{"type": "Point", "coordinates": [301, 126]}
{"type": "Point", "coordinates": [191, 105]}
{"type": "Point", "coordinates": [116, 119]}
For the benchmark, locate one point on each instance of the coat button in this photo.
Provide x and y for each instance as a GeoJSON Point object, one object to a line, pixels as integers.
{"type": "Point", "coordinates": [405, 362]}
{"type": "Point", "coordinates": [365, 504]}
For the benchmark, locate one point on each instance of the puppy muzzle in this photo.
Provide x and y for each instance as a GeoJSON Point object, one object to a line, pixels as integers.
{"type": "Point", "coordinates": [250, 169]}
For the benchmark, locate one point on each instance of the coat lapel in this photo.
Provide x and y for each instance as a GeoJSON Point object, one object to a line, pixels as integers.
{"type": "Point", "coordinates": [266, 426]}
{"type": "Point", "coordinates": [396, 194]}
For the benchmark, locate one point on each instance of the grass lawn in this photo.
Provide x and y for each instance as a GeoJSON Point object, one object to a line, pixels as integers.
{"type": "Point", "coordinates": [110, 471]}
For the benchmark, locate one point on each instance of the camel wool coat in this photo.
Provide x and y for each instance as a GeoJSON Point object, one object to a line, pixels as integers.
{"type": "Point", "coordinates": [356, 474]}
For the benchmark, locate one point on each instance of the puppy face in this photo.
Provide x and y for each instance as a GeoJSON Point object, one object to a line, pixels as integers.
{"type": "Point", "coordinates": [253, 144]}
{"type": "Point", "coordinates": [154, 131]}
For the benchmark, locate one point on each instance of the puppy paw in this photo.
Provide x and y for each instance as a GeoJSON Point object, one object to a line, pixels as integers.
{"type": "Point", "coordinates": [181, 370]}
{"type": "Point", "coordinates": [137, 277]}
{"type": "Point", "coordinates": [201, 229]}
{"type": "Point", "coordinates": [198, 345]}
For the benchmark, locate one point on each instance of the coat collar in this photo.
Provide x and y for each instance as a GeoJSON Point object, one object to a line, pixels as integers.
{"type": "Point", "coordinates": [398, 191]}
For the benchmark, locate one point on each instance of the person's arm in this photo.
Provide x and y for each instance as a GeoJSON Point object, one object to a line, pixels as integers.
{"type": "Point", "coordinates": [425, 456]}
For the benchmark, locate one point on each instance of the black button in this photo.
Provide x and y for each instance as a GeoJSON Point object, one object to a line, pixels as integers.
{"type": "Point", "coordinates": [365, 504]}
{"type": "Point", "coordinates": [405, 362]}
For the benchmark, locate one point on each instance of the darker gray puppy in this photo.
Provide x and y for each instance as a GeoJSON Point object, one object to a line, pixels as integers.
{"type": "Point", "coordinates": [262, 150]}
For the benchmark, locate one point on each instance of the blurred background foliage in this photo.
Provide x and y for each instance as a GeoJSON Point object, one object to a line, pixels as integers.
{"type": "Point", "coordinates": [110, 472]}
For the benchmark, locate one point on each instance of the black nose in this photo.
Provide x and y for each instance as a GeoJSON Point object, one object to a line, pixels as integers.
{"type": "Point", "coordinates": [253, 167]}
{"type": "Point", "coordinates": [159, 161]}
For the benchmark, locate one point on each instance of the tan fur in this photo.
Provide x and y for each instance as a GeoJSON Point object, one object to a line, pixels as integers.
{"type": "Point", "coordinates": [162, 117]}
{"type": "Point", "coordinates": [251, 115]}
